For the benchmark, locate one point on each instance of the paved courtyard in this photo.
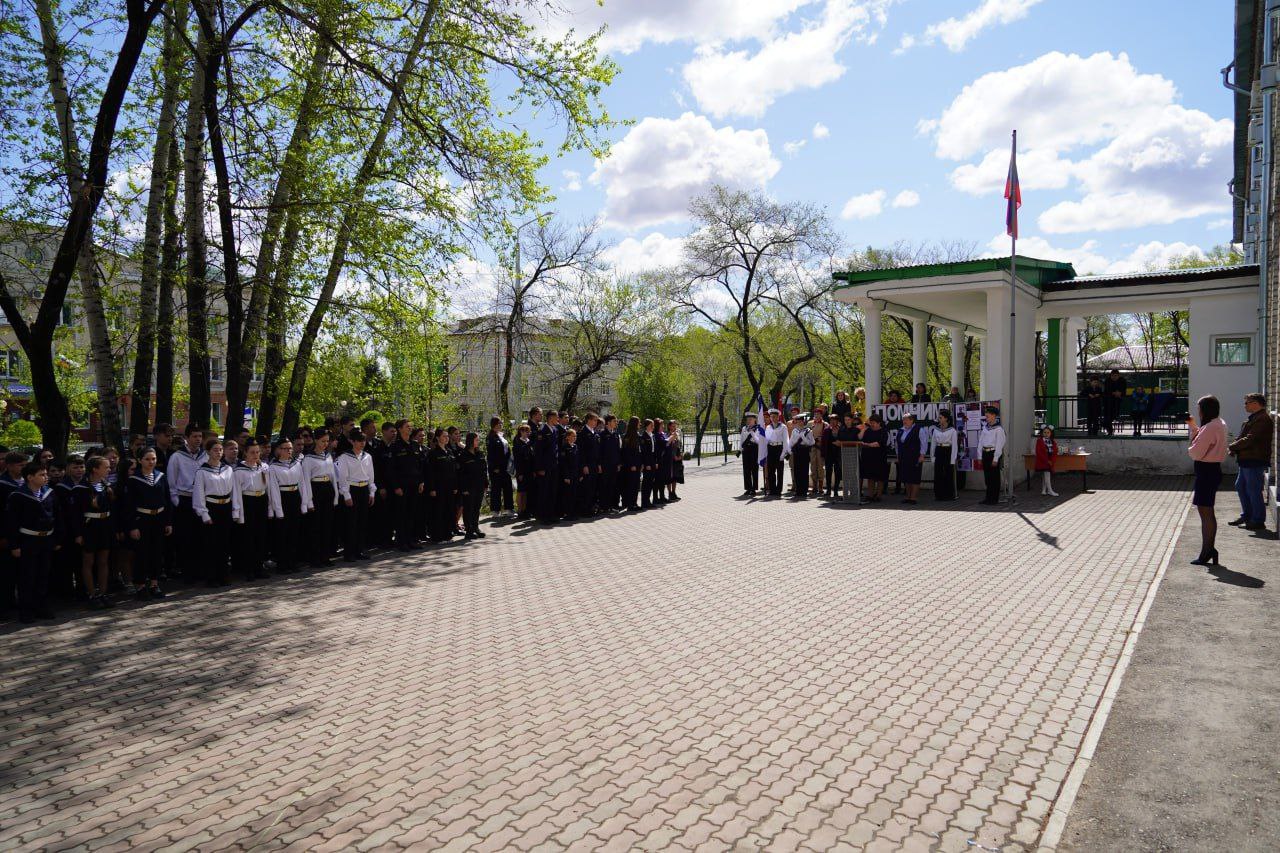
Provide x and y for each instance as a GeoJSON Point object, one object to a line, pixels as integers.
{"type": "Point", "coordinates": [715, 674]}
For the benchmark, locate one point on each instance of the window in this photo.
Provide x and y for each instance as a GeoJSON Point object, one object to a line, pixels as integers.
{"type": "Point", "coordinates": [1232, 349]}
{"type": "Point", "coordinates": [33, 255]}
{"type": "Point", "coordinates": [217, 413]}
{"type": "Point", "coordinates": [462, 385]}
{"type": "Point", "coordinates": [216, 369]}
{"type": "Point", "coordinates": [12, 363]}
{"type": "Point", "coordinates": [67, 315]}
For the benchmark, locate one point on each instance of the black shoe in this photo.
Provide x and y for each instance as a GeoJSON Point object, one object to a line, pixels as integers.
{"type": "Point", "coordinates": [46, 613]}
{"type": "Point", "coordinates": [107, 603]}
{"type": "Point", "coordinates": [27, 617]}
{"type": "Point", "coordinates": [156, 592]}
{"type": "Point", "coordinates": [1206, 559]}
{"type": "Point", "coordinates": [1239, 522]}
{"type": "Point", "coordinates": [480, 534]}
{"type": "Point", "coordinates": [1255, 525]}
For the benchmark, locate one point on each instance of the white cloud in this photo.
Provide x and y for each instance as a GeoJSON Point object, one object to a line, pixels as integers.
{"type": "Point", "coordinates": [821, 131]}
{"type": "Point", "coordinates": [906, 198]}
{"type": "Point", "coordinates": [955, 33]}
{"type": "Point", "coordinates": [740, 83]}
{"type": "Point", "coordinates": [632, 23]}
{"type": "Point", "coordinates": [1087, 260]}
{"type": "Point", "coordinates": [864, 206]}
{"type": "Point", "coordinates": [793, 148]}
{"type": "Point", "coordinates": [652, 173]}
{"type": "Point", "coordinates": [1217, 224]}
{"type": "Point", "coordinates": [1137, 157]}
{"type": "Point", "coordinates": [572, 180]}
{"type": "Point", "coordinates": [653, 251]}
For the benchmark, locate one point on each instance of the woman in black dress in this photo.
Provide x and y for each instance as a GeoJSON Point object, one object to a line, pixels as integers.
{"type": "Point", "coordinates": [473, 482]}
{"type": "Point", "coordinates": [442, 476]}
{"type": "Point", "coordinates": [676, 441]}
{"type": "Point", "coordinates": [910, 457]}
{"type": "Point", "coordinates": [95, 529]}
{"type": "Point", "coordinates": [149, 513]}
{"type": "Point", "coordinates": [873, 458]}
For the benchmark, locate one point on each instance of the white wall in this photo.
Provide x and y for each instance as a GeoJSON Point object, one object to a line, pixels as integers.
{"type": "Point", "coordinates": [1222, 315]}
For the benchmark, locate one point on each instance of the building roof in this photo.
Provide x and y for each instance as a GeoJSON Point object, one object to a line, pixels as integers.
{"type": "Point", "coordinates": [1087, 282]}
{"type": "Point", "coordinates": [1139, 358]}
{"type": "Point", "coordinates": [1030, 270]}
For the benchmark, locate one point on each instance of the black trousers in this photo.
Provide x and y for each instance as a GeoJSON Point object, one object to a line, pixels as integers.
{"type": "Point", "coordinates": [500, 491]}
{"type": "Point", "coordinates": [8, 580]}
{"type": "Point", "coordinates": [382, 518]}
{"type": "Point", "coordinates": [801, 469]}
{"type": "Point", "coordinates": [186, 535]}
{"type": "Point", "coordinates": [991, 475]}
{"type": "Point", "coordinates": [607, 491]}
{"type": "Point", "coordinates": [1094, 418]}
{"type": "Point", "coordinates": [833, 469]}
{"type": "Point", "coordinates": [587, 486]}
{"type": "Point", "coordinates": [1113, 414]}
{"type": "Point", "coordinates": [320, 523]}
{"type": "Point", "coordinates": [944, 478]}
{"type": "Point", "coordinates": [215, 543]}
{"type": "Point", "coordinates": [630, 488]}
{"type": "Point", "coordinates": [355, 530]}
{"type": "Point", "coordinates": [544, 489]}
{"type": "Point", "coordinates": [647, 487]}
{"type": "Point", "coordinates": [471, 509]}
{"type": "Point", "coordinates": [149, 548]}
{"type": "Point", "coordinates": [750, 468]}
{"type": "Point", "coordinates": [403, 519]}
{"type": "Point", "coordinates": [250, 547]}
{"type": "Point", "coordinates": [440, 523]}
{"type": "Point", "coordinates": [34, 567]}
{"type": "Point", "coordinates": [773, 470]}
{"type": "Point", "coordinates": [285, 532]}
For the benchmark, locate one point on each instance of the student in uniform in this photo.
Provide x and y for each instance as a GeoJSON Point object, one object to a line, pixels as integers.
{"type": "Point", "coordinates": [455, 448]}
{"type": "Point", "coordinates": [546, 452]}
{"type": "Point", "coordinates": [799, 446]}
{"type": "Point", "coordinates": [498, 455]}
{"type": "Point", "coordinates": [589, 464]}
{"type": "Point", "coordinates": [380, 522]}
{"type": "Point", "coordinates": [676, 442]}
{"type": "Point", "coordinates": [30, 529]}
{"type": "Point", "coordinates": [356, 487]}
{"type": "Point", "coordinates": [776, 440]}
{"type": "Point", "coordinates": [442, 471]}
{"type": "Point", "coordinates": [10, 482]}
{"type": "Point", "coordinates": [94, 529]}
{"type": "Point", "coordinates": [610, 464]}
{"type": "Point", "coordinates": [568, 477]}
{"type": "Point", "coordinates": [522, 452]}
{"type": "Point", "coordinates": [147, 511]}
{"type": "Point", "coordinates": [473, 480]}
{"type": "Point", "coordinates": [912, 448]}
{"type": "Point", "coordinates": [288, 496]}
{"type": "Point", "coordinates": [632, 463]}
{"type": "Point", "coordinates": [991, 444]}
{"type": "Point", "coordinates": [420, 443]}
{"type": "Point", "coordinates": [1046, 455]}
{"type": "Point", "coordinates": [405, 475]}
{"type": "Point", "coordinates": [65, 482]}
{"type": "Point", "coordinates": [833, 470]}
{"type": "Point", "coordinates": [230, 452]}
{"type": "Point", "coordinates": [181, 475]}
{"type": "Point", "coordinates": [945, 444]}
{"type": "Point", "coordinates": [249, 510]}
{"type": "Point", "coordinates": [317, 466]}
{"type": "Point", "coordinates": [211, 499]}
{"type": "Point", "coordinates": [750, 452]}
{"type": "Point", "coordinates": [648, 462]}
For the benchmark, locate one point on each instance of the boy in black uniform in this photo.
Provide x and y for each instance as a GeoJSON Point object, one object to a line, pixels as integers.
{"type": "Point", "coordinates": [610, 464]}
{"type": "Point", "coordinates": [588, 464]}
{"type": "Point", "coordinates": [404, 471]}
{"type": "Point", "coordinates": [472, 483]}
{"type": "Point", "coordinates": [10, 482]}
{"type": "Point", "coordinates": [498, 453]}
{"type": "Point", "coordinates": [30, 530]}
{"type": "Point", "coordinates": [68, 557]}
{"type": "Point", "coordinates": [546, 454]}
{"type": "Point", "coordinates": [381, 522]}
{"type": "Point", "coordinates": [569, 476]}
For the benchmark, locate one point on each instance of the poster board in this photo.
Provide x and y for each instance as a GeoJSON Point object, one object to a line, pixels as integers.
{"type": "Point", "coordinates": [968, 421]}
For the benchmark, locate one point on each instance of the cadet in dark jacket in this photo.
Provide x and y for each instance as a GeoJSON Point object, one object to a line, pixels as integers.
{"type": "Point", "coordinates": [589, 464]}
{"type": "Point", "coordinates": [632, 465]}
{"type": "Point", "coordinates": [648, 464]}
{"type": "Point", "coordinates": [404, 472]}
{"type": "Point", "coordinates": [610, 465]}
{"type": "Point", "coordinates": [497, 451]}
{"type": "Point", "coordinates": [569, 476]}
{"type": "Point", "coordinates": [522, 451]}
{"type": "Point", "coordinates": [383, 514]}
{"type": "Point", "coordinates": [94, 526]}
{"type": "Point", "coordinates": [10, 482]}
{"type": "Point", "coordinates": [30, 528]}
{"type": "Point", "coordinates": [442, 471]}
{"type": "Point", "coordinates": [148, 519]}
{"type": "Point", "coordinates": [546, 452]}
{"type": "Point", "coordinates": [473, 480]}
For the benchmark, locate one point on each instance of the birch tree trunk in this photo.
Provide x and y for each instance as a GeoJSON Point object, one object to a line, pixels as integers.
{"type": "Point", "coordinates": [197, 286]}
{"type": "Point", "coordinates": [170, 256]}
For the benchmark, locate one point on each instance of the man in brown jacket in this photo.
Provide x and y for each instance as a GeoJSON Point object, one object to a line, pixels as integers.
{"type": "Point", "coordinates": [1253, 454]}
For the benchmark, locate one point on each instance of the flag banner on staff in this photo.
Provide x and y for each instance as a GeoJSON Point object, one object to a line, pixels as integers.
{"type": "Point", "coordinates": [762, 446]}
{"type": "Point", "coordinates": [968, 423]}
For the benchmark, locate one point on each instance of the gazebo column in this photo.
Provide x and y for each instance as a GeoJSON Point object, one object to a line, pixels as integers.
{"type": "Point", "coordinates": [957, 336]}
{"type": "Point", "coordinates": [871, 351]}
{"type": "Point", "coordinates": [919, 340]}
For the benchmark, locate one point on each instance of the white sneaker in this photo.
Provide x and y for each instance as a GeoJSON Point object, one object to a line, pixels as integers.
{"type": "Point", "coordinates": [1043, 491]}
{"type": "Point", "coordinates": [1052, 493]}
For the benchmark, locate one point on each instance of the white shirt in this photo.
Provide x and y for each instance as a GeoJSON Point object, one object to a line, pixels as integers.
{"type": "Point", "coordinates": [802, 436]}
{"type": "Point", "coordinates": [776, 434]}
{"type": "Point", "coordinates": [319, 469]}
{"type": "Point", "coordinates": [211, 483]}
{"type": "Point", "coordinates": [250, 481]}
{"type": "Point", "coordinates": [286, 474]}
{"type": "Point", "coordinates": [946, 439]}
{"type": "Point", "coordinates": [992, 438]}
{"type": "Point", "coordinates": [354, 469]}
{"type": "Point", "coordinates": [181, 471]}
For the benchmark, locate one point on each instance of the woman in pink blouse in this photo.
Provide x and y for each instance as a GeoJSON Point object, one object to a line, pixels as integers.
{"type": "Point", "coordinates": [1208, 449]}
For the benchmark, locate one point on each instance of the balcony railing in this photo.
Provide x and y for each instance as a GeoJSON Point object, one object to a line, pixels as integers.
{"type": "Point", "coordinates": [1071, 415]}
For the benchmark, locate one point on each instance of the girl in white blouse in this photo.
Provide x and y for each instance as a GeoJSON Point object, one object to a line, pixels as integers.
{"type": "Point", "coordinates": [211, 497]}
{"type": "Point", "coordinates": [317, 466]}
{"type": "Point", "coordinates": [288, 499]}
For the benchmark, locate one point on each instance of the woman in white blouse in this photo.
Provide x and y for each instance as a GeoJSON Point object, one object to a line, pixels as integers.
{"type": "Point", "coordinates": [288, 498]}
{"type": "Point", "coordinates": [943, 441]}
{"type": "Point", "coordinates": [211, 497]}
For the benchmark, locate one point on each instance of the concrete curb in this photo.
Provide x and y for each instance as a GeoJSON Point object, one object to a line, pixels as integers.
{"type": "Point", "coordinates": [1057, 820]}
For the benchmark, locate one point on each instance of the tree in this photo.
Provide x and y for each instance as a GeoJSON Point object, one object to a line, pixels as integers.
{"type": "Point", "coordinates": [36, 338]}
{"type": "Point", "coordinates": [755, 255]}
{"type": "Point", "coordinates": [653, 387]}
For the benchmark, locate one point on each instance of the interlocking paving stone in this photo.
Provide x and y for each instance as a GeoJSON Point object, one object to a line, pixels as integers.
{"type": "Point", "coordinates": [714, 674]}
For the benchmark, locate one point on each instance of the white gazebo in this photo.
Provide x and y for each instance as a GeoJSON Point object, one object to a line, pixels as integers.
{"type": "Point", "coordinates": [976, 299]}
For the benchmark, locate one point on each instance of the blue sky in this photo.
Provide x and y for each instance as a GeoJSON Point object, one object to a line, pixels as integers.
{"type": "Point", "coordinates": [1124, 126]}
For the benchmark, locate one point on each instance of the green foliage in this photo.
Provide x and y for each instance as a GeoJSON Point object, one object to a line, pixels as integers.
{"type": "Point", "coordinates": [653, 388]}
{"type": "Point", "coordinates": [20, 433]}
{"type": "Point", "coordinates": [373, 415]}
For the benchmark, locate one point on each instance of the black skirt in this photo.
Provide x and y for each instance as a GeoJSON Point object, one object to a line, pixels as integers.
{"type": "Point", "coordinates": [1208, 479]}
{"type": "Point", "coordinates": [98, 534]}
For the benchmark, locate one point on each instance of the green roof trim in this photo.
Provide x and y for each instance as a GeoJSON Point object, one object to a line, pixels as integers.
{"type": "Point", "coordinates": [1031, 270]}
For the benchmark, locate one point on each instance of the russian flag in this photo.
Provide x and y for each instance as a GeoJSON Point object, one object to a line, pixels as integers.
{"type": "Point", "coordinates": [1012, 192]}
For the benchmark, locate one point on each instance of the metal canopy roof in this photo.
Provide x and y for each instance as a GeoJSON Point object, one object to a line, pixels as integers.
{"type": "Point", "coordinates": [1032, 271]}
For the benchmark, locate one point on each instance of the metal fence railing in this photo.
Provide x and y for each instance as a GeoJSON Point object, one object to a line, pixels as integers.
{"type": "Point", "coordinates": [1074, 415]}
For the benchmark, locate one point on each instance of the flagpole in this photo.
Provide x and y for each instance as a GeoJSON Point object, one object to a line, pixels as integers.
{"type": "Point", "coordinates": [1013, 358]}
